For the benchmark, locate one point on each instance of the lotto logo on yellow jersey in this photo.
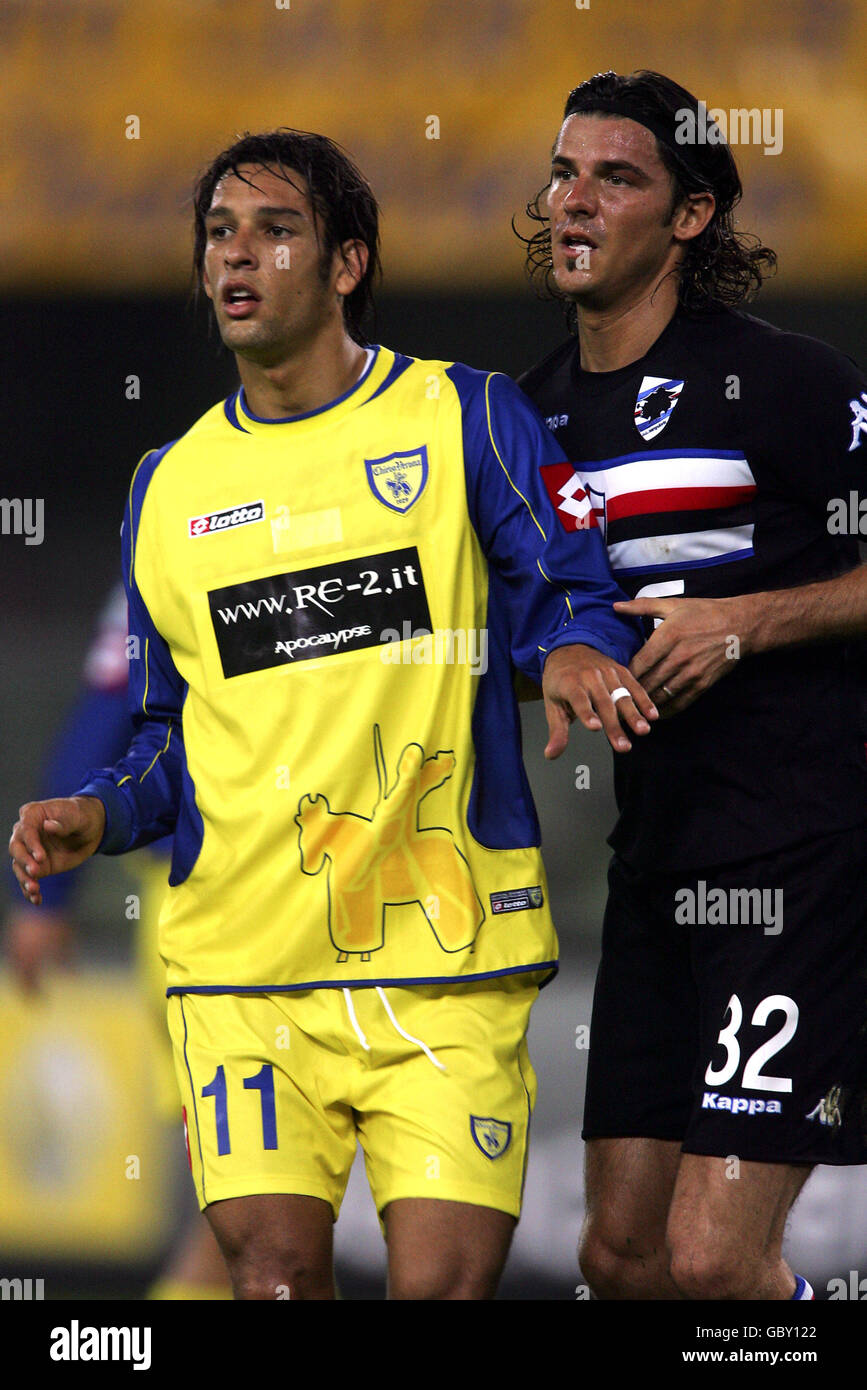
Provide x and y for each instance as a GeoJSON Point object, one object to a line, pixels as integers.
{"type": "Point", "coordinates": [233, 516]}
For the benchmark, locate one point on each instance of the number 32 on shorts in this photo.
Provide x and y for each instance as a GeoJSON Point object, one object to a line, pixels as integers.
{"type": "Point", "coordinates": [754, 1079]}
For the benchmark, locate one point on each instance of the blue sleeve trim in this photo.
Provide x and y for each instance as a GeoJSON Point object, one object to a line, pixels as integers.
{"type": "Point", "coordinates": [118, 815]}
{"type": "Point", "coordinates": [546, 588]}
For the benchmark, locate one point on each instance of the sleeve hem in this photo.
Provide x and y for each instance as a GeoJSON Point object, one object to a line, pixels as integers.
{"type": "Point", "coordinates": [572, 637]}
{"type": "Point", "coordinates": [118, 816]}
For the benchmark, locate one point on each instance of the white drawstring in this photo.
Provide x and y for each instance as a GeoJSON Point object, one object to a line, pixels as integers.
{"type": "Point", "coordinates": [418, 1042]}
{"type": "Point", "coordinates": [350, 1007]}
{"type": "Point", "coordinates": [354, 1021]}
{"type": "Point", "coordinates": [409, 1037]}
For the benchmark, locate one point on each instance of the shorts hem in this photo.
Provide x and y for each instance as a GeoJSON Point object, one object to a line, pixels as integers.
{"type": "Point", "coordinates": [801, 1161]}
{"type": "Point", "coordinates": [258, 1187]}
{"type": "Point", "coordinates": [472, 1196]}
{"type": "Point", "coordinates": [632, 1133]}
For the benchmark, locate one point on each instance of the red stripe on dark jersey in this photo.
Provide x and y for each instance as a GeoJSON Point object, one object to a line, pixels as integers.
{"type": "Point", "coordinates": [676, 499]}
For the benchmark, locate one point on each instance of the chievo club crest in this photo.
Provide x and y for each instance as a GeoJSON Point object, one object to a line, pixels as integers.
{"type": "Point", "coordinates": [398, 479]}
{"type": "Point", "coordinates": [654, 404]}
{"type": "Point", "coordinates": [493, 1137]}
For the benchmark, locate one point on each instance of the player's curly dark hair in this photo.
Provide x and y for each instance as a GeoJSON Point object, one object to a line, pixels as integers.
{"type": "Point", "coordinates": [721, 265]}
{"type": "Point", "coordinates": [340, 194]}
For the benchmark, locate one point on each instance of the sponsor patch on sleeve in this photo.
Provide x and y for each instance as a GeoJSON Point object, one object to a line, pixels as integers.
{"type": "Point", "coordinates": [568, 497]}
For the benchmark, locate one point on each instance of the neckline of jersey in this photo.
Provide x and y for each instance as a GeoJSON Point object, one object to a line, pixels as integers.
{"type": "Point", "coordinates": [372, 376]}
{"type": "Point", "coordinates": [597, 383]}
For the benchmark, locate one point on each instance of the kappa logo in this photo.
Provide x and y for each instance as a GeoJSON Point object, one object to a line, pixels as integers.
{"type": "Point", "coordinates": [828, 1112]}
{"type": "Point", "coordinates": [492, 1136]}
{"type": "Point", "coordinates": [859, 420]}
{"type": "Point", "coordinates": [740, 1105]}
{"type": "Point", "coordinates": [398, 480]}
{"type": "Point", "coordinates": [656, 399]}
{"type": "Point", "coordinates": [244, 515]}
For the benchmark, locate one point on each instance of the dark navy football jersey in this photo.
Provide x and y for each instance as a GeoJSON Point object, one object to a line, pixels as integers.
{"type": "Point", "coordinates": [729, 459]}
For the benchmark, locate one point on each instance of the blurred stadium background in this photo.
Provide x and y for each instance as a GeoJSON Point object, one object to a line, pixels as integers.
{"type": "Point", "coordinates": [94, 256]}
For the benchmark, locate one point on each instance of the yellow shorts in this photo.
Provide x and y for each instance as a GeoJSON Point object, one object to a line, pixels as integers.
{"type": "Point", "coordinates": [435, 1082]}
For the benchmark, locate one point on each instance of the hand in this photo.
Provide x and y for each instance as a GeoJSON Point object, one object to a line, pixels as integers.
{"type": "Point", "coordinates": [577, 683]}
{"type": "Point", "coordinates": [52, 836]}
{"type": "Point", "coordinates": [33, 941]}
{"type": "Point", "coordinates": [698, 642]}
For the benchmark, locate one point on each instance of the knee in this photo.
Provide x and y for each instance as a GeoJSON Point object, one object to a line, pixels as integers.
{"type": "Point", "coordinates": [267, 1272]}
{"type": "Point", "coordinates": [712, 1272]}
{"type": "Point", "coordinates": [600, 1262]}
{"type": "Point", "coordinates": [438, 1279]}
{"type": "Point", "coordinates": [617, 1266]}
{"type": "Point", "coordinates": [286, 1277]}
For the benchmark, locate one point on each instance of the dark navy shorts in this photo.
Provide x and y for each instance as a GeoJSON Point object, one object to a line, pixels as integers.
{"type": "Point", "coordinates": [730, 1011]}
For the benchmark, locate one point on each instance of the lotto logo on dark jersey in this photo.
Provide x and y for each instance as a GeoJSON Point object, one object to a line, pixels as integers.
{"type": "Point", "coordinates": [313, 613]}
{"type": "Point", "coordinates": [232, 516]}
{"type": "Point", "coordinates": [568, 497]}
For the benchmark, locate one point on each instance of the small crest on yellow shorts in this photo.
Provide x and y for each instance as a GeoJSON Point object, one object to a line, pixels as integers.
{"type": "Point", "coordinates": [493, 1137]}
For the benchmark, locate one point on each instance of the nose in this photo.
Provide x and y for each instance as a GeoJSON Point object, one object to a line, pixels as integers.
{"type": "Point", "coordinates": [579, 196]}
{"type": "Point", "coordinates": [239, 249]}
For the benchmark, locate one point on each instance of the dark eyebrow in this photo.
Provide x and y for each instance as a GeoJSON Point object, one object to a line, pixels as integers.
{"type": "Point", "coordinates": [220, 211]}
{"type": "Point", "coordinates": [605, 166]}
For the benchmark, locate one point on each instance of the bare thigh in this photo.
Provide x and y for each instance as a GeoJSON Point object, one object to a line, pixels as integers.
{"type": "Point", "coordinates": [445, 1250]}
{"type": "Point", "coordinates": [276, 1245]}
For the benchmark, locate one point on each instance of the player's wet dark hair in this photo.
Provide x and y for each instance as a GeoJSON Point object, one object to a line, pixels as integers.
{"type": "Point", "coordinates": [721, 265]}
{"type": "Point", "coordinates": [340, 194]}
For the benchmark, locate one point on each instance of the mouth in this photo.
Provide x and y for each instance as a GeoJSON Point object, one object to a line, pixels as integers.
{"type": "Point", "coordinates": [239, 300]}
{"type": "Point", "coordinates": [577, 244]}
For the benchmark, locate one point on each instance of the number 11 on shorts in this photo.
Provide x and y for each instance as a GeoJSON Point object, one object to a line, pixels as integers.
{"type": "Point", "coordinates": [263, 1082]}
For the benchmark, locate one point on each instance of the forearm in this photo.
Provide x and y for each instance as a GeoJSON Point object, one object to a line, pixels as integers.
{"type": "Point", "coordinates": [833, 610]}
{"type": "Point", "coordinates": [141, 794]}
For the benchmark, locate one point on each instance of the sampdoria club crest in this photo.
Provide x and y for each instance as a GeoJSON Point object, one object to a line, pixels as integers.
{"type": "Point", "coordinates": [398, 480]}
{"type": "Point", "coordinates": [656, 399]}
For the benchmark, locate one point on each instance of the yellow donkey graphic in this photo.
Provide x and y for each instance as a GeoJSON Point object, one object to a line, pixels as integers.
{"type": "Point", "coordinates": [388, 860]}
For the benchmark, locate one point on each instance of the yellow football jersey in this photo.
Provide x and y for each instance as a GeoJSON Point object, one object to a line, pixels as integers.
{"type": "Point", "coordinates": [325, 616]}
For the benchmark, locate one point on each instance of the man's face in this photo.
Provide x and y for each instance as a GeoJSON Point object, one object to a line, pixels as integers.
{"type": "Point", "coordinates": [609, 203]}
{"type": "Point", "coordinates": [264, 269]}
